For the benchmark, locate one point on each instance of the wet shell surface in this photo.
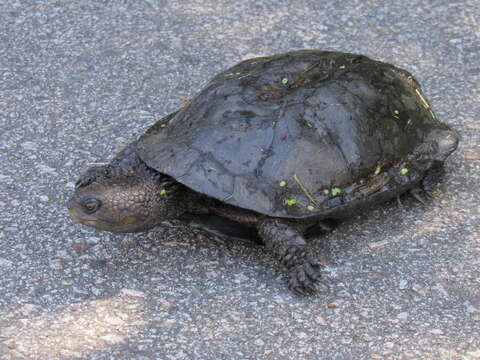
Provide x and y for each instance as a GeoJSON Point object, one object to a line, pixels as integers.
{"type": "Point", "coordinates": [303, 134]}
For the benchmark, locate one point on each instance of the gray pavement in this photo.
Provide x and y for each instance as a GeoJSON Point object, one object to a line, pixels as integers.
{"type": "Point", "coordinates": [80, 79]}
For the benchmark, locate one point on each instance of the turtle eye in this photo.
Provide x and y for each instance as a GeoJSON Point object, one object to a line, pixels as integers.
{"type": "Point", "coordinates": [91, 205]}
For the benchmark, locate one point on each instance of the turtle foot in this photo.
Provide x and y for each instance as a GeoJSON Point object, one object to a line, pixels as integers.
{"type": "Point", "coordinates": [420, 195]}
{"type": "Point", "coordinates": [305, 276]}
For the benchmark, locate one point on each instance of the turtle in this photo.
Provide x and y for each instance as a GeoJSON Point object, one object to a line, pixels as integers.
{"type": "Point", "coordinates": [272, 148]}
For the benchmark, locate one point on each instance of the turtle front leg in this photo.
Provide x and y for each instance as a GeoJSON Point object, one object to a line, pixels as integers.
{"type": "Point", "coordinates": [126, 161]}
{"type": "Point", "coordinates": [284, 239]}
{"type": "Point", "coordinates": [93, 174]}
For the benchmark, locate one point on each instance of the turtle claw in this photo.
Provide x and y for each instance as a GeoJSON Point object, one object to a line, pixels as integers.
{"type": "Point", "coordinates": [420, 195]}
{"type": "Point", "coordinates": [305, 277]}
{"type": "Point", "coordinates": [399, 202]}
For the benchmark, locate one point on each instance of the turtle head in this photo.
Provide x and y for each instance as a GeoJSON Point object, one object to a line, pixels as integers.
{"type": "Point", "coordinates": [120, 201]}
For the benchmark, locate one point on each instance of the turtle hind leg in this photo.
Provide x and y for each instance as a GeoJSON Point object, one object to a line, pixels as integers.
{"type": "Point", "coordinates": [419, 194]}
{"type": "Point", "coordinates": [433, 176]}
{"type": "Point", "coordinates": [427, 185]}
{"type": "Point", "coordinates": [284, 239]}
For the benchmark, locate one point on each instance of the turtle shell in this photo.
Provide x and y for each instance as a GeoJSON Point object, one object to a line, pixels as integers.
{"type": "Point", "coordinates": [302, 134]}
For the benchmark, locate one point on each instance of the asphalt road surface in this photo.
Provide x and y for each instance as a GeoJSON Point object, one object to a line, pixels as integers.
{"type": "Point", "coordinates": [80, 79]}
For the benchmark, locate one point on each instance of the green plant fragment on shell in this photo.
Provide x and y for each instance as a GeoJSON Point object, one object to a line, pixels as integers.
{"type": "Point", "coordinates": [404, 171]}
{"type": "Point", "coordinates": [335, 191]}
{"type": "Point", "coordinates": [290, 202]}
{"type": "Point", "coordinates": [282, 183]}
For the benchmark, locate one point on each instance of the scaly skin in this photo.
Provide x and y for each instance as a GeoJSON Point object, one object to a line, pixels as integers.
{"type": "Point", "coordinates": [128, 196]}
{"type": "Point", "coordinates": [284, 239]}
